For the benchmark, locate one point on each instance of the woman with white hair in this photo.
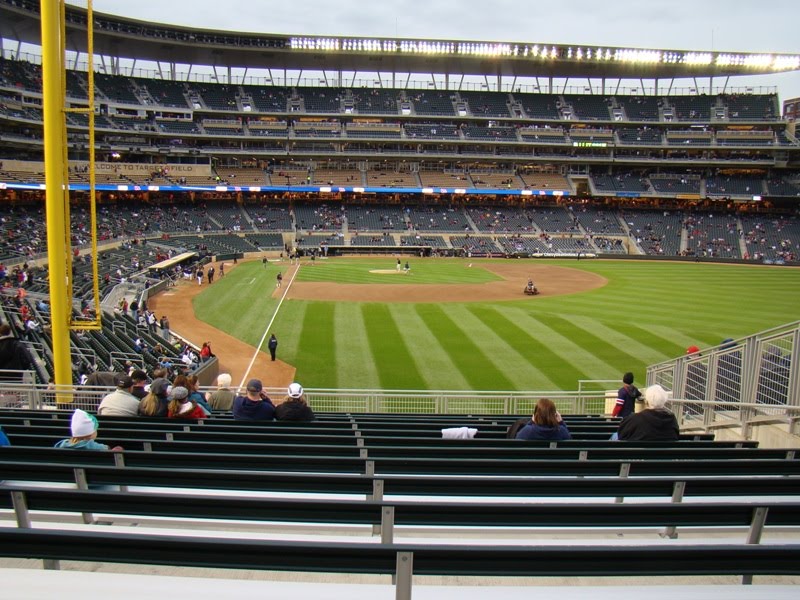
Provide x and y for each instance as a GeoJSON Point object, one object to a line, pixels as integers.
{"type": "Point", "coordinates": [222, 397]}
{"type": "Point", "coordinates": [654, 424]}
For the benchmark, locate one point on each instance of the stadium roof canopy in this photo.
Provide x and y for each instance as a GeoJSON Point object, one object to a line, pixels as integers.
{"type": "Point", "coordinates": [122, 37]}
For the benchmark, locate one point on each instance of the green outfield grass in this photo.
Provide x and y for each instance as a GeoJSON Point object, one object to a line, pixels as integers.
{"type": "Point", "coordinates": [648, 312]}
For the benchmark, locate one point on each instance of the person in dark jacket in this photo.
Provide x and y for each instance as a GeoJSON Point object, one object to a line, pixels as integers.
{"type": "Point", "coordinates": [546, 424]}
{"type": "Point", "coordinates": [654, 424]}
{"type": "Point", "coordinates": [627, 396]}
{"type": "Point", "coordinates": [273, 344]}
{"type": "Point", "coordinates": [255, 406]}
{"type": "Point", "coordinates": [14, 355]}
{"type": "Point", "coordinates": [294, 407]}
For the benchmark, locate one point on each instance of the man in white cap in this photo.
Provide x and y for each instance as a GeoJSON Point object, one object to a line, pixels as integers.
{"type": "Point", "coordinates": [654, 424]}
{"type": "Point", "coordinates": [121, 402]}
{"type": "Point", "coordinates": [83, 428]}
{"type": "Point", "coordinates": [294, 406]}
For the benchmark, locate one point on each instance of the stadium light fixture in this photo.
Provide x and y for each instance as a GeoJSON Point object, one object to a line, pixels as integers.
{"type": "Point", "coordinates": [756, 62]}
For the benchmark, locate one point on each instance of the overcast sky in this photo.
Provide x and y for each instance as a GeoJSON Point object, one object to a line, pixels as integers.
{"type": "Point", "coordinates": [732, 25]}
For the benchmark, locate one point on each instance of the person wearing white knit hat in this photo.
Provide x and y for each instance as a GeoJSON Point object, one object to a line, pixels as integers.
{"type": "Point", "coordinates": [654, 424]}
{"type": "Point", "coordinates": [294, 406]}
{"type": "Point", "coordinates": [83, 428]}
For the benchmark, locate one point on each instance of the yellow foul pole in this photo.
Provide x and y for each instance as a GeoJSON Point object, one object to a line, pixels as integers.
{"type": "Point", "coordinates": [54, 142]}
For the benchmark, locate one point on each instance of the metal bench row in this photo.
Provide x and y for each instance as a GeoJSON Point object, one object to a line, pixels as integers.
{"type": "Point", "coordinates": [192, 457]}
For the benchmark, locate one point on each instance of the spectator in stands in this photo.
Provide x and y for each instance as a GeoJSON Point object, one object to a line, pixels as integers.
{"type": "Point", "coordinates": [164, 327]}
{"type": "Point", "coordinates": [627, 396]}
{"type": "Point", "coordinates": [14, 355]}
{"type": "Point", "coordinates": [546, 423]}
{"type": "Point", "coordinates": [195, 395]}
{"type": "Point", "coordinates": [139, 379]}
{"type": "Point", "coordinates": [154, 404]}
{"type": "Point", "coordinates": [654, 424]}
{"type": "Point", "coordinates": [181, 407]}
{"type": "Point", "coordinates": [121, 402]}
{"type": "Point", "coordinates": [222, 397]}
{"type": "Point", "coordinates": [83, 428]}
{"type": "Point", "coordinates": [255, 405]}
{"type": "Point", "coordinates": [294, 407]}
{"type": "Point", "coordinates": [205, 352]}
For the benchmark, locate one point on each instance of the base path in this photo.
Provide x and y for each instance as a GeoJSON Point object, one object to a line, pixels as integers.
{"type": "Point", "coordinates": [550, 280]}
{"type": "Point", "coordinates": [234, 355]}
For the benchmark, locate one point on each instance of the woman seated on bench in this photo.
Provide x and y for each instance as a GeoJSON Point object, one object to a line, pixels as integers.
{"type": "Point", "coordinates": [546, 424]}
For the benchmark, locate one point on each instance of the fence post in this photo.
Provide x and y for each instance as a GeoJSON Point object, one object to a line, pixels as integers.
{"type": "Point", "coordinates": [387, 525]}
{"type": "Point", "coordinates": [403, 573]}
{"type": "Point", "coordinates": [80, 481]}
{"type": "Point", "coordinates": [754, 535]}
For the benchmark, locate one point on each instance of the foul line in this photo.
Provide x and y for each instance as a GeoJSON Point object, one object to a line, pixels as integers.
{"type": "Point", "coordinates": [266, 331]}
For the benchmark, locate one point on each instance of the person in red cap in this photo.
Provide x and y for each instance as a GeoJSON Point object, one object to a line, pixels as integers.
{"type": "Point", "coordinates": [692, 350]}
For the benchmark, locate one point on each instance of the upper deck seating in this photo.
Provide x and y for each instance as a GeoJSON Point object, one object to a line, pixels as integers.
{"type": "Point", "coordinates": [219, 96]}
{"type": "Point", "coordinates": [376, 101]}
{"type": "Point", "coordinates": [116, 88]}
{"type": "Point", "coordinates": [487, 104]}
{"type": "Point", "coordinates": [751, 107]}
{"type": "Point", "coordinates": [640, 108]}
{"type": "Point", "coordinates": [431, 102]}
{"type": "Point", "coordinates": [539, 106]}
{"type": "Point", "coordinates": [692, 108]}
{"type": "Point", "coordinates": [589, 107]}
{"type": "Point", "coordinates": [268, 99]}
{"type": "Point", "coordinates": [322, 100]}
{"type": "Point", "coordinates": [166, 92]}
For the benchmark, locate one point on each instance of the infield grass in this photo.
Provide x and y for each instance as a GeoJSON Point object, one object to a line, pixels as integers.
{"type": "Point", "coordinates": [648, 312]}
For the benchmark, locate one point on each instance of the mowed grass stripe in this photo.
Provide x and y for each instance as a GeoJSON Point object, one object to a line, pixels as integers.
{"type": "Point", "coordinates": [624, 340]}
{"type": "Point", "coordinates": [288, 328]}
{"type": "Point", "coordinates": [355, 365]}
{"type": "Point", "coordinates": [238, 304]}
{"type": "Point", "coordinates": [317, 334]}
{"type": "Point", "coordinates": [393, 361]}
{"type": "Point", "coordinates": [668, 345]}
{"type": "Point", "coordinates": [470, 359]}
{"type": "Point", "coordinates": [595, 344]}
{"type": "Point", "coordinates": [434, 364]}
{"type": "Point", "coordinates": [576, 362]}
{"type": "Point", "coordinates": [694, 337]}
{"type": "Point", "coordinates": [499, 354]}
{"type": "Point", "coordinates": [539, 362]}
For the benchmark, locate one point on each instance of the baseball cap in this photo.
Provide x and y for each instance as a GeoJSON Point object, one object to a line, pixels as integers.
{"type": "Point", "coordinates": [124, 382]}
{"type": "Point", "coordinates": [82, 423]}
{"type": "Point", "coordinates": [254, 385]}
{"type": "Point", "coordinates": [295, 390]}
{"type": "Point", "coordinates": [692, 349]}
